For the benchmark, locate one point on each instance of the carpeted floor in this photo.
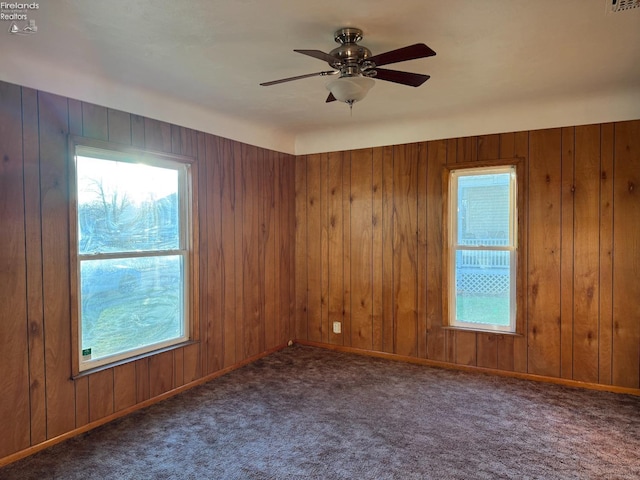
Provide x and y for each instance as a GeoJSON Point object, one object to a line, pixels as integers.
{"type": "Point", "coordinates": [309, 413]}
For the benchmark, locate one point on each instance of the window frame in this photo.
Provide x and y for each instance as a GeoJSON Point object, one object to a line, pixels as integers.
{"type": "Point", "coordinates": [449, 247]}
{"type": "Point", "coordinates": [189, 240]}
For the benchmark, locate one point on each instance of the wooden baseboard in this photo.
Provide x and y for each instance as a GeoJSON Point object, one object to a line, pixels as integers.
{"type": "Point", "coordinates": [469, 368]}
{"type": "Point", "coordinates": [90, 426]}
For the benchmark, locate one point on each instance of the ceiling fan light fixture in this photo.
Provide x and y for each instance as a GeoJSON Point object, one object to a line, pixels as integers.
{"type": "Point", "coordinates": [350, 89]}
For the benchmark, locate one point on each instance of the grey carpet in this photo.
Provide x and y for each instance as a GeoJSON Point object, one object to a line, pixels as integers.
{"type": "Point", "coordinates": [309, 413]}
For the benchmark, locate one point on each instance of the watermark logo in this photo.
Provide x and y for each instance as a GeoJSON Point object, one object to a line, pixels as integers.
{"type": "Point", "coordinates": [18, 14]}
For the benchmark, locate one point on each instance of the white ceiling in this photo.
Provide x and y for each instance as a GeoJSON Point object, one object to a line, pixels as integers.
{"type": "Point", "coordinates": [501, 65]}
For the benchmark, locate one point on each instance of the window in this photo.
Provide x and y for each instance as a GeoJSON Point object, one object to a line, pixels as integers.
{"type": "Point", "coordinates": [481, 248]}
{"type": "Point", "coordinates": [132, 254]}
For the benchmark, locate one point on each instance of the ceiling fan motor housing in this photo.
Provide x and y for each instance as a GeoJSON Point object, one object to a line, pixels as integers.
{"type": "Point", "coordinates": [349, 56]}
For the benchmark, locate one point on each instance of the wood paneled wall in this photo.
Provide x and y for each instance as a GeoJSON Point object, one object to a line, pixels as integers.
{"type": "Point", "coordinates": [369, 252]}
{"type": "Point", "coordinates": [246, 211]}
{"type": "Point", "coordinates": [289, 245]}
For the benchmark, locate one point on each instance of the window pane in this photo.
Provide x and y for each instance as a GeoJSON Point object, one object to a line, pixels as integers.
{"type": "Point", "coordinates": [126, 207]}
{"type": "Point", "coordinates": [483, 287]}
{"type": "Point", "coordinates": [483, 209]}
{"type": "Point", "coordinates": [130, 303]}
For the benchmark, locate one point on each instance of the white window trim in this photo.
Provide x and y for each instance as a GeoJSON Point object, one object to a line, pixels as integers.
{"type": "Point", "coordinates": [451, 212]}
{"type": "Point", "coordinates": [184, 165]}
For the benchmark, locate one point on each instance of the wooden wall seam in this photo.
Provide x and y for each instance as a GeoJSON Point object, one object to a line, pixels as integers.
{"type": "Point", "coordinates": [605, 325]}
{"type": "Point", "coordinates": [567, 254]}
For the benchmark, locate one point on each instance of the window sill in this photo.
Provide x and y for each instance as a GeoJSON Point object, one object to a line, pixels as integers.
{"type": "Point", "coordinates": [483, 330]}
{"type": "Point", "coordinates": [124, 361]}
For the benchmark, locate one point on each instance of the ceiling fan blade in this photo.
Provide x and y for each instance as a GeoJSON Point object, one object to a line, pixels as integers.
{"type": "Point", "coordinates": [299, 77]}
{"type": "Point", "coordinates": [330, 98]}
{"type": "Point", "coordinates": [317, 54]}
{"type": "Point", "coordinates": [418, 50]}
{"type": "Point", "coordinates": [405, 78]}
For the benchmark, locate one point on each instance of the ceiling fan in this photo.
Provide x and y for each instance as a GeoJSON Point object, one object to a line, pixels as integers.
{"type": "Point", "coordinates": [357, 67]}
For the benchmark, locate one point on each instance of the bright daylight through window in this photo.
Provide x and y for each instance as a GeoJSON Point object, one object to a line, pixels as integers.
{"type": "Point", "coordinates": [482, 248]}
{"type": "Point", "coordinates": [132, 249]}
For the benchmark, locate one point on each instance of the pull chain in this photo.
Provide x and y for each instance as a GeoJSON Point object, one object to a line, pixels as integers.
{"type": "Point", "coordinates": [351, 102]}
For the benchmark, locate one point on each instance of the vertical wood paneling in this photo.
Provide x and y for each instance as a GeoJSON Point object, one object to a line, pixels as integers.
{"type": "Point", "coordinates": [269, 271]}
{"type": "Point", "coordinates": [324, 248]}
{"type": "Point", "coordinates": [238, 266]}
{"type": "Point", "coordinates": [436, 159]}
{"type": "Point", "coordinates": [626, 260]}
{"type": "Point", "coordinates": [193, 303]}
{"type": "Point", "coordinates": [301, 288]}
{"type": "Point", "coordinates": [14, 356]}
{"type": "Point", "coordinates": [142, 379]}
{"type": "Point", "coordinates": [280, 273]}
{"type": "Point", "coordinates": [292, 235]}
{"type": "Point", "coordinates": [82, 401]}
{"type": "Point", "coordinates": [520, 345]}
{"type": "Point", "coordinates": [361, 213]}
{"type": "Point", "coordinates": [285, 244]}
{"type": "Point", "coordinates": [192, 363]}
{"type": "Point", "coordinates": [489, 147]}
{"type": "Point", "coordinates": [467, 149]}
{"type": "Point", "coordinates": [253, 338]}
{"type": "Point", "coordinates": [95, 122]}
{"type": "Point", "coordinates": [53, 114]}
{"type": "Point", "coordinates": [567, 252]}
{"type": "Point", "coordinates": [214, 269]}
{"type": "Point", "coordinates": [421, 243]}
{"type": "Point", "coordinates": [507, 145]}
{"type": "Point", "coordinates": [450, 335]}
{"type": "Point", "coordinates": [388, 309]}
{"type": "Point", "coordinates": [377, 274]}
{"type": "Point", "coordinates": [137, 131]}
{"type": "Point", "coordinates": [160, 373]}
{"type": "Point", "coordinates": [586, 254]}
{"type": "Point", "coordinates": [544, 252]}
{"type": "Point", "coordinates": [119, 126]}
{"type": "Point", "coordinates": [182, 140]}
{"type": "Point", "coordinates": [33, 245]}
{"type": "Point", "coordinates": [200, 355]}
{"type": "Point", "coordinates": [605, 336]}
{"type": "Point", "coordinates": [75, 117]}
{"type": "Point", "coordinates": [229, 274]}
{"type": "Point", "coordinates": [405, 249]}
{"type": "Point", "coordinates": [157, 135]}
{"type": "Point", "coordinates": [124, 386]}
{"type": "Point", "coordinates": [314, 248]}
{"type": "Point", "coordinates": [100, 395]}
{"type": "Point", "coordinates": [346, 235]}
{"type": "Point", "coordinates": [335, 239]}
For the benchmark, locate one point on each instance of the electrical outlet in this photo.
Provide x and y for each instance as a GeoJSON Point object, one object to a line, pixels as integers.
{"type": "Point", "coordinates": [337, 327]}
